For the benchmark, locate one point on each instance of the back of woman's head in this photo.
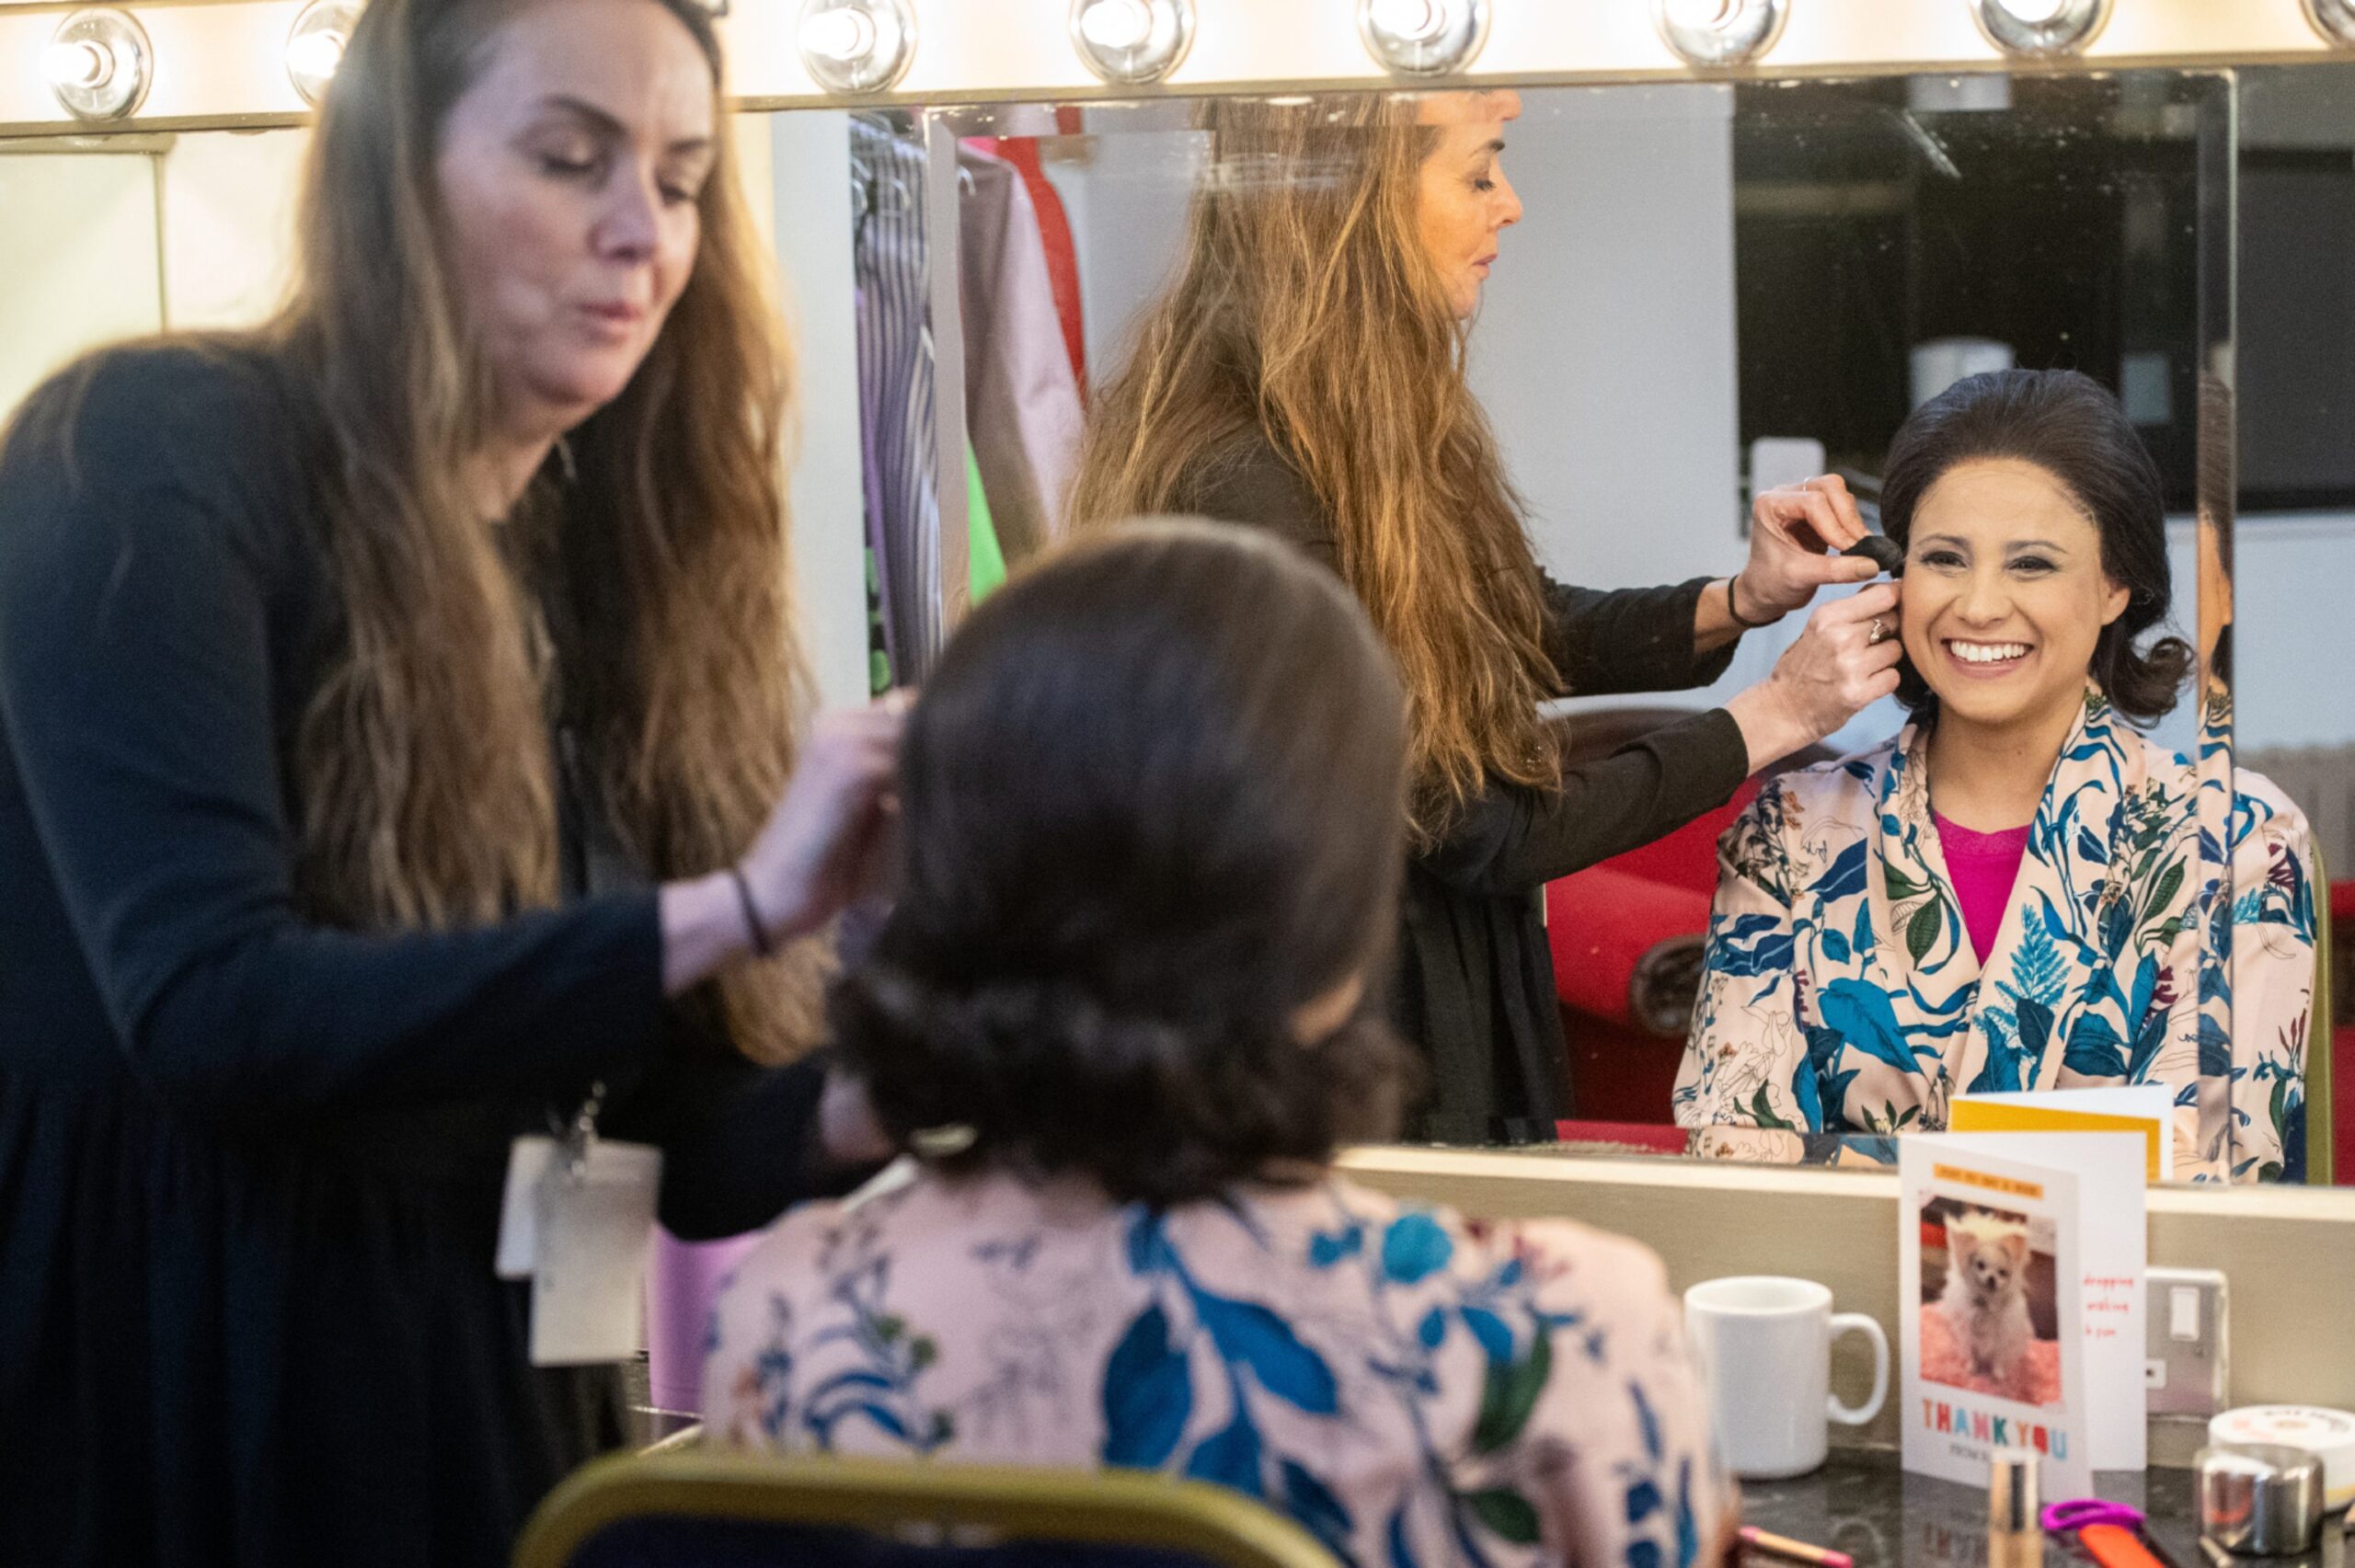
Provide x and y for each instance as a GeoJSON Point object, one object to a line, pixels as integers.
{"type": "Point", "coordinates": [2068, 425]}
{"type": "Point", "coordinates": [1307, 312]}
{"type": "Point", "coordinates": [1152, 811]}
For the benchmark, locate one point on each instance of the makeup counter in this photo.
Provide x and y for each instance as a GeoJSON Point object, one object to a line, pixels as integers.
{"type": "Point", "coordinates": [1756, 234]}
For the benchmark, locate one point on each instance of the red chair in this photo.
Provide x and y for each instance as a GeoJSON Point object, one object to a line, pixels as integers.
{"type": "Point", "coordinates": [1627, 938]}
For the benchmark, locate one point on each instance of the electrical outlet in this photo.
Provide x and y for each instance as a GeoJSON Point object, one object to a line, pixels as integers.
{"type": "Point", "coordinates": [2186, 1340]}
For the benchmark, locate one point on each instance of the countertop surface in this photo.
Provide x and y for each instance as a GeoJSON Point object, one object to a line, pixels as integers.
{"type": "Point", "coordinates": [1864, 1505]}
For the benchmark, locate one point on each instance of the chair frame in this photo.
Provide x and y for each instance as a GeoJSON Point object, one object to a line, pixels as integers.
{"type": "Point", "coordinates": [920, 1503]}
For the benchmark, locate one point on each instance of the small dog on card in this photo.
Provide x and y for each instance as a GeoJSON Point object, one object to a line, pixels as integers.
{"type": "Point", "coordinates": [1985, 1300]}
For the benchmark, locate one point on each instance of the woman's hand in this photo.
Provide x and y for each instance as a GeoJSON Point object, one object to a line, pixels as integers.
{"type": "Point", "coordinates": [826, 846]}
{"type": "Point", "coordinates": [1844, 661]}
{"type": "Point", "coordinates": [1790, 529]}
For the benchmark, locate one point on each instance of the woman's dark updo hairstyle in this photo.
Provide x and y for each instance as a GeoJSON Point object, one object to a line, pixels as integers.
{"type": "Point", "coordinates": [1153, 803]}
{"type": "Point", "coordinates": [2069, 426]}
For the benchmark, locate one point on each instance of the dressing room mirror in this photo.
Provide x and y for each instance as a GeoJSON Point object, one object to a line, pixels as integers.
{"type": "Point", "coordinates": [1715, 287]}
{"type": "Point", "coordinates": [1710, 287]}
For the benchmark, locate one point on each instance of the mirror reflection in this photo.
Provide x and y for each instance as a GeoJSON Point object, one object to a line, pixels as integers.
{"type": "Point", "coordinates": [1670, 302]}
{"type": "Point", "coordinates": [1591, 395]}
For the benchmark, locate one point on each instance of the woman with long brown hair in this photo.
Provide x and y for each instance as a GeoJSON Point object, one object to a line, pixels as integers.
{"type": "Point", "coordinates": [1305, 373]}
{"type": "Point", "coordinates": [399, 705]}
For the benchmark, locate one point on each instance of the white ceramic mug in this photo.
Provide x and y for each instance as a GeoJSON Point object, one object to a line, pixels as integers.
{"type": "Point", "coordinates": [1766, 1345]}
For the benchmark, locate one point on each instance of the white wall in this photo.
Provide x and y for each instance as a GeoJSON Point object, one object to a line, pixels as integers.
{"type": "Point", "coordinates": [77, 259]}
{"type": "Point", "coordinates": [1604, 351]}
{"type": "Point", "coordinates": [228, 205]}
{"type": "Point", "coordinates": [810, 193]}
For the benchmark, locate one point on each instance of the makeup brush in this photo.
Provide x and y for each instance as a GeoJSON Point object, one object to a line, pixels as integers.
{"type": "Point", "coordinates": [1882, 552]}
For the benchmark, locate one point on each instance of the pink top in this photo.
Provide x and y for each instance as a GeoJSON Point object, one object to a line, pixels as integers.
{"type": "Point", "coordinates": [1983, 866]}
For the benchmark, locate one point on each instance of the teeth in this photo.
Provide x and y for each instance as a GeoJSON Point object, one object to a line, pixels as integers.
{"type": "Point", "coordinates": [1988, 653]}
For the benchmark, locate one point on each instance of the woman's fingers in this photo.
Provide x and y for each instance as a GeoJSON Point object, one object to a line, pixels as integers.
{"type": "Point", "coordinates": [1816, 516]}
{"type": "Point", "coordinates": [1847, 522]}
{"type": "Point", "coordinates": [1855, 609]}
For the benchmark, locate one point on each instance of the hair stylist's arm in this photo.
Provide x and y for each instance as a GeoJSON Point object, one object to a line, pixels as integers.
{"type": "Point", "coordinates": [821, 850]}
{"type": "Point", "coordinates": [1825, 679]}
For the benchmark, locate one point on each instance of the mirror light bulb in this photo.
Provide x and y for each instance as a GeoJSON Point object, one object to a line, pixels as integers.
{"type": "Point", "coordinates": [1417, 21]}
{"type": "Point", "coordinates": [316, 56]}
{"type": "Point", "coordinates": [1701, 13]}
{"type": "Point", "coordinates": [845, 35]}
{"type": "Point", "coordinates": [78, 64]}
{"type": "Point", "coordinates": [1117, 24]}
{"type": "Point", "coordinates": [2034, 13]}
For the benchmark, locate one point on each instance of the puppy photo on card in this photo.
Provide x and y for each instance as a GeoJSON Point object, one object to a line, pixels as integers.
{"type": "Point", "coordinates": [1989, 1303]}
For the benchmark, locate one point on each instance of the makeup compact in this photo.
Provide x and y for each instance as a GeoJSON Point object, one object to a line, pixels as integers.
{"type": "Point", "coordinates": [2328, 1435]}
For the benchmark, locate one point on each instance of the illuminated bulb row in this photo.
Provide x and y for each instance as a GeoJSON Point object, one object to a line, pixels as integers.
{"type": "Point", "coordinates": [861, 46]}
{"type": "Point", "coordinates": [99, 63]}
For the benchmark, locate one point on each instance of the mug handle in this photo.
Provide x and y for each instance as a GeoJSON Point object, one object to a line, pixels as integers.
{"type": "Point", "coordinates": [1850, 1415]}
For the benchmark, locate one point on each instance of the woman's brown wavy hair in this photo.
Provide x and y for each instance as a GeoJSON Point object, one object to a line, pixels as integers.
{"type": "Point", "coordinates": [1306, 313]}
{"type": "Point", "coordinates": [423, 769]}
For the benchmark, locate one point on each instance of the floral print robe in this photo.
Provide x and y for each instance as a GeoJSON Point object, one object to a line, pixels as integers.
{"type": "Point", "coordinates": [1413, 1390]}
{"type": "Point", "coordinates": [1840, 992]}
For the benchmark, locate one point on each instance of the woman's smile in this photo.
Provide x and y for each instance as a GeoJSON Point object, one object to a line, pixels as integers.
{"type": "Point", "coordinates": [1981, 660]}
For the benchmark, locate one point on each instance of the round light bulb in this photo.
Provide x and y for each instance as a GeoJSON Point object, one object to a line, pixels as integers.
{"type": "Point", "coordinates": [1715, 34]}
{"type": "Point", "coordinates": [844, 36]}
{"type": "Point", "coordinates": [1117, 25]}
{"type": "Point", "coordinates": [78, 64]}
{"type": "Point", "coordinates": [316, 56]}
{"type": "Point", "coordinates": [2334, 19]}
{"type": "Point", "coordinates": [857, 46]}
{"type": "Point", "coordinates": [1701, 13]}
{"type": "Point", "coordinates": [100, 64]}
{"type": "Point", "coordinates": [1414, 21]}
{"type": "Point", "coordinates": [2041, 29]}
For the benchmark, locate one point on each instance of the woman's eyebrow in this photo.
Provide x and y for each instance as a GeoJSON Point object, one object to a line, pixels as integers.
{"type": "Point", "coordinates": [607, 127]}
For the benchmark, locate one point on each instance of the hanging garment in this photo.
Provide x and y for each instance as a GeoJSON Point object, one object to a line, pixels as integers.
{"type": "Point", "coordinates": [895, 385]}
{"type": "Point", "coordinates": [1054, 232]}
{"type": "Point", "coordinates": [1021, 400]}
{"type": "Point", "coordinates": [984, 562]}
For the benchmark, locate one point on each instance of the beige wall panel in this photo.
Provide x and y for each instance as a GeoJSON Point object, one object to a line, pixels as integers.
{"type": "Point", "coordinates": [77, 259]}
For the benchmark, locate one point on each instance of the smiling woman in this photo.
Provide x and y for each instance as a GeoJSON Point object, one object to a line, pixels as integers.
{"type": "Point", "coordinates": [2008, 894]}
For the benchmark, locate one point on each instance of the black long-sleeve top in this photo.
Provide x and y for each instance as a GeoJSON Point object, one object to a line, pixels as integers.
{"type": "Point", "coordinates": [250, 1165]}
{"type": "Point", "coordinates": [1474, 978]}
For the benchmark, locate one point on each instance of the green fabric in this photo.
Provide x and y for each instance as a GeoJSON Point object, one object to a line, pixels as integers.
{"type": "Point", "coordinates": [984, 562]}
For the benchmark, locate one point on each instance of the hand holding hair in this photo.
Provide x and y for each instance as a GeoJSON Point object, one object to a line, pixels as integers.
{"type": "Point", "coordinates": [826, 847]}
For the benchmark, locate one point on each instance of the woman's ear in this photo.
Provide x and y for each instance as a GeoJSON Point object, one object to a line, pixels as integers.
{"type": "Point", "coordinates": [2114, 599]}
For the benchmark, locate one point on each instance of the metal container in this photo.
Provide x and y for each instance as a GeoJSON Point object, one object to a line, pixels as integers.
{"type": "Point", "coordinates": [2258, 1499]}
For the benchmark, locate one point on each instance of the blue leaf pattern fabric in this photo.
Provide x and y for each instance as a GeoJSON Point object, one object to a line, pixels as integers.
{"type": "Point", "coordinates": [1841, 993]}
{"type": "Point", "coordinates": [1414, 1391]}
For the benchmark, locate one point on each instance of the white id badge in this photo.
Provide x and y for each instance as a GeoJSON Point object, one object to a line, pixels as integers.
{"type": "Point", "coordinates": [595, 1230]}
{"type": "Point", "coordinates": [519, 1210]}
